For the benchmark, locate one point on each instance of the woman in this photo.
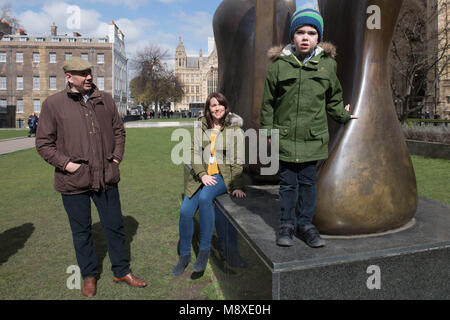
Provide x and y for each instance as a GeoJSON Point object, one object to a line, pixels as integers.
{"type": "Point", "coordinates": [210, 178]}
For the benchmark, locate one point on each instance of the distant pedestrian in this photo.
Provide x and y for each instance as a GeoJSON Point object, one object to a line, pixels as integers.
{"type": "Point", "coordinates": [32, 124]}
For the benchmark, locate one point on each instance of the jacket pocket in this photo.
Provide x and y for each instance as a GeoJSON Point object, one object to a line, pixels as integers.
{"type": "Point", "coordinates": [112, 172]}
{"type": "Point", "coordinates": [284, 139]}
{"type": "Point", "coordinates": [319, 133]}
{"type": "Point", "coordinates": [78, 180]}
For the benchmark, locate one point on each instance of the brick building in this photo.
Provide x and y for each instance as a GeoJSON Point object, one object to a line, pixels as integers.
{"type": "Point", "coordinates": [31, 67]}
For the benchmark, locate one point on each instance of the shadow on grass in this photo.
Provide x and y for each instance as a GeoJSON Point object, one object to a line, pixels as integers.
{"type": "Point", "coordinates": [100, 244]}
{"type": "Point", "coordinates": [14, 239]}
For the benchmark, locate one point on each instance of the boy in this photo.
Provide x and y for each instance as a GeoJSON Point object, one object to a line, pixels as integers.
{"type": "Point", "coordinates": [301, 88]}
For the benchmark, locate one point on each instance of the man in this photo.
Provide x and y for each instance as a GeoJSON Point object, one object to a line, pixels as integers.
{"type": "Point", "coordinates": [81, 134]}
{"type": "Point", "coordinates": [301, 89]}
{"type": "Point", "coordinates": [32, 124]}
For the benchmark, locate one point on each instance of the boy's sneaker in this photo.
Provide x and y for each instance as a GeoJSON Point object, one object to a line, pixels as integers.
{"type": "Point", "coordinates": [310, 235]}
{"type": "Point", "coordinates": [285, 236]}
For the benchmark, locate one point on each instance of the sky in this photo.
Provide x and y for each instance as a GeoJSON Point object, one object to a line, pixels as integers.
{"type": "Point", "coordinates": [143, 22]}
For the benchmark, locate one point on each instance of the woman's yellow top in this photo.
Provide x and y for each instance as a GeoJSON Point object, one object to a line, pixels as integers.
{"type": "Point", "coordinates": [213, 168]}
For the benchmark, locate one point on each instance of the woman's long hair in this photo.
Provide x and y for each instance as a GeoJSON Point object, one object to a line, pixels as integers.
{"type": "Point", "coordinates": [223, 101]}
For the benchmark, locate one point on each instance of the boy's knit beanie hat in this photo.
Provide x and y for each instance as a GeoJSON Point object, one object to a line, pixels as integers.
{"type": "Point", "coordinates": [307, 16]}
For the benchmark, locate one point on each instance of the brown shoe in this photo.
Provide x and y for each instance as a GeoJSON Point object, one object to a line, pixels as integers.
{"type": "Point", "coordinates": [89, 287]}
{"type": "Point", "coordinates": [131, 280]}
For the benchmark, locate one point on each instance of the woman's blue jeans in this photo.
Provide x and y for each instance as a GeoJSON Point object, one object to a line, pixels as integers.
{"type": "Point", "coordinates": [203, 200]}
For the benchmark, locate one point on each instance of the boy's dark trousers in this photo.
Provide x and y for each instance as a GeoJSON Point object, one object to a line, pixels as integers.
{"type": "Point", "coordinates": [78, 208]}
{"type": "Point", "coordinates": [297, 180]}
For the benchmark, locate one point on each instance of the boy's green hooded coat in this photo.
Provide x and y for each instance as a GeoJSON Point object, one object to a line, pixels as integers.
{"type": "Point", "coordinates": [229, 146]}
{"type": "Point", "coordinates": [296, 100]}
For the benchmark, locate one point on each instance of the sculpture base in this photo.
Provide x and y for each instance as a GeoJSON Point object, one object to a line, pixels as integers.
{"type": "Point", "coordinates": [409, 264]}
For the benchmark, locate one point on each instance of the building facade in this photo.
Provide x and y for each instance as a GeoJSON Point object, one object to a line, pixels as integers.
{"type": "Point", "coordinates": [198, 75]}
{"type": "Point", "coordinates": [438, 88]}
{"type": "Point", "coordinates": [31, 67]}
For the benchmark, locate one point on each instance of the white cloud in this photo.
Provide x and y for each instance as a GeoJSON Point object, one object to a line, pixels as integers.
{"type": "Point", "coordinates": [198, 24]}
{"type": "Point", "coordinates": [38, 23]}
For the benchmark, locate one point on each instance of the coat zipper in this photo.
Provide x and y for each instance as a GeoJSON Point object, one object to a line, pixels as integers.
{"type": "Point", "coordinates": [298, 105]}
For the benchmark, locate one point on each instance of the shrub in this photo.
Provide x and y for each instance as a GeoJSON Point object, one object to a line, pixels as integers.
{"type": "Point", "coordinates": [428, 133]}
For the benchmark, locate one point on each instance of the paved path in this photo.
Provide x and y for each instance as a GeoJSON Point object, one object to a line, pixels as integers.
{"type": "Point", "coordinates": [16, 144]}
{"type": "Point", "coordinates": [159, 124]}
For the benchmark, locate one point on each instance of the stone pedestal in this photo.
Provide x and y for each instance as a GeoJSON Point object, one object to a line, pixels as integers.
{"type": "Point", "coordinates": [413, 263]}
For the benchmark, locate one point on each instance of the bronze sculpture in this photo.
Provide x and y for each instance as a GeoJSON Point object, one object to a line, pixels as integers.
{"type": "Point", "coordinates": [368, 184]}
{"type": "Point", "coordinates": [244, 30]}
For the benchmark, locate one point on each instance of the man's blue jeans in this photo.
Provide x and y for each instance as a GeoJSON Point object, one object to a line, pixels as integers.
{"type": "Point", "coordinates": [203, 200]}
{"type": "Point", "coordinates": [78, 208]}
{"type": "Point", "coordinates": [297, 181]}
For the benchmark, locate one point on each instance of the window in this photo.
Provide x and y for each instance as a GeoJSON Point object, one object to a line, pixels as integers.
{"type": "Point", "coordinates": [19, 84]}
{"type": "Point", "coordinates": [19, 106]}
{"type": "Point", "coordinates": [2, 83]}
{"type": "Point", "coordinates": [52, 57]}
{"type": "Point", "coordinates": [36, 105]}
{"type": "Point", "coordinates": [36, 83]}
{"type": "Point", "coordinates": [71, 40]}
{"type": "Point", "coordinates": [23, 39]}
{"type": "Point", "coordinates": [39, 39]}
{"type": "Point", "coordinates": [3, 104]}
{"type": "Point", "coordinates": [101, 83]}
{"type": "Point", "coordinates": [36, 57]}
{"type": "Point", "coordinates": [86, 40]}
{"type": "Point", "coordinates": [85, 56]}
{"type": "Point", "coordinates": [56, 39]}
{"type": "Point", "coordinates": [68, 55]}
{"type": "Point", "coordinates": [100, 58]}
{"type": "Point", "coordinates": [2, 56]}
{"type": "Point", "coordinates": [19, 56]}
{"type": "Point", "coordinates": [102, 40]}
{"type": "Point", "coordinates": [52, 83]}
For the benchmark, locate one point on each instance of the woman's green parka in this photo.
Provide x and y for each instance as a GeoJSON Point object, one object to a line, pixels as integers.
{"type": "Point", "coordinates": [229, 146]}
{"type": "Point", "coordinates": [297, 98]}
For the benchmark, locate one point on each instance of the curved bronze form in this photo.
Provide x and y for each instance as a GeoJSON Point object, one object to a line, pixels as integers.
{"type": "Point", "coordinates": [244, 30]}
{"type": "Point", "coordinates": [367, 185]}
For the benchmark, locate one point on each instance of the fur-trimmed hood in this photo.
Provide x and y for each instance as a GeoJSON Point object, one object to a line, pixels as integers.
{"type": "Point", "coordinates": [231, 120]}
{"type": "Point", "coordinates": [327, 48]}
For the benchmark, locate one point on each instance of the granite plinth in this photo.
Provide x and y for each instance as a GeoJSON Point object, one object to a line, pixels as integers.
{"type": "Point", "coordinates": [410, 264]}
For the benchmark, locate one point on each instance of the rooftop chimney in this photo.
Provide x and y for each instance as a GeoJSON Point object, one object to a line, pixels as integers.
{"type": "Point", "coordinates": [54, 29]}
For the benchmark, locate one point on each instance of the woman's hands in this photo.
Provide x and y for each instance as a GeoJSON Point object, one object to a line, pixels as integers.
{"type": "Point", "coordinates": [239, 193]}
{"type": "Point", "coordinates": [208, 180]}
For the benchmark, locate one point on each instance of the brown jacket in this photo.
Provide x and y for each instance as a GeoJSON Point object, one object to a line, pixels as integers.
{"type": "Point", "coordinates": [90, 133]}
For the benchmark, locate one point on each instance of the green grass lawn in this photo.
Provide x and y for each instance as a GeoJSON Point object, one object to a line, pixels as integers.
{"type": "Point", "coordinates": [35, 239]}
{"type": "Point", "coordinates": [8, 134]}
{"type": "Point", "coordinates": [433, 178]}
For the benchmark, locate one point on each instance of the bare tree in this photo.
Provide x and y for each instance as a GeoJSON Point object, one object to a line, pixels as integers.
{"type": "Point", "coordinates": [154, 83]}
{"type": "Point", "coordinates": [419, 54]}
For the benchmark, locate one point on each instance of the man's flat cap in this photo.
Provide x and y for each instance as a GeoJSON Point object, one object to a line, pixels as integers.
{"type": "Point", "coordinates": [76, 64]}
